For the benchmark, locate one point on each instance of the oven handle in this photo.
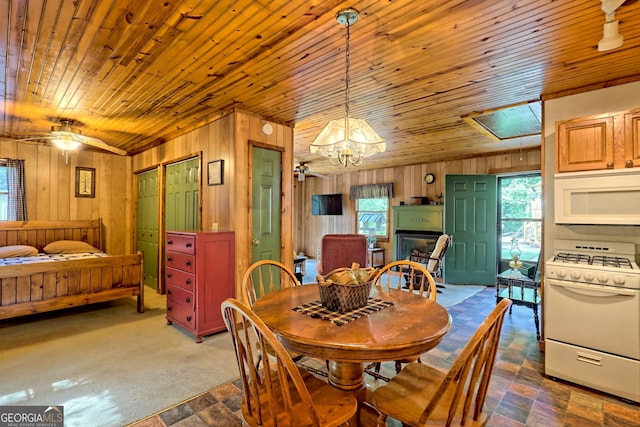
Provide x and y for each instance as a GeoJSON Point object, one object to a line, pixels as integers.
{"type": "Point", "coordinates": [590, 290]}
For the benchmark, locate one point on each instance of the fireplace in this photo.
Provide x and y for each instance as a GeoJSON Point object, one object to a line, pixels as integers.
{"type": "Point", "coordinates": [416, 227]}
{"type": "Point", "coordinates": [406, 241]}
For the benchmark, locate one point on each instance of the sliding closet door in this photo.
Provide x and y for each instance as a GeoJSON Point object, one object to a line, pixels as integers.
{"type": "Point", "coordinates": [182, 191]}
{"type": "Point", "coordinates": [147, 225]}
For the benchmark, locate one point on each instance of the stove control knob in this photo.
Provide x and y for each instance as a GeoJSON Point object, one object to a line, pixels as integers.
{"type": "Point", "coordinates": [618, 280]}
{"type": "Point", "coordinates": [561, 273]}
{"type": "Point", "coordinates": [602, 278]}
{"type": "Point", "coordinates": [575, 275]}
{"type": "Point", "coordinates": [588, 276]}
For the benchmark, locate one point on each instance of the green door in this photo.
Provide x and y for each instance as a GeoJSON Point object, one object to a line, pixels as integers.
{"type": "Point", "coordinates": [147, 225]}
{"type": "Point", "coordinates": [471, 216]}
{"type": "Point", "coordinates": [182, 195]}
{"type": "Point", "coordinates": [265, 202]}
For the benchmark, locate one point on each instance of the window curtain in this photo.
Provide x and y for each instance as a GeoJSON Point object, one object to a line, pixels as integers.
{"type": "Point", "coordinates": [371, 191]}
{"type": "Point", "coordinates": [17, 194]}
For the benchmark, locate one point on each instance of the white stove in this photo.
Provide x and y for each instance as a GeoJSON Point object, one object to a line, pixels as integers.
{"type": "Point", "coordinates": [600, 263]}
{"type": "Point", "coordinates": [592, 316]}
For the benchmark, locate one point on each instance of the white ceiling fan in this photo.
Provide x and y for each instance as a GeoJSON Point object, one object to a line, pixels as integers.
{"type": "Point", "coordinates": [302, 170]}
{"type": "Point", "coordinates": [68, 138]}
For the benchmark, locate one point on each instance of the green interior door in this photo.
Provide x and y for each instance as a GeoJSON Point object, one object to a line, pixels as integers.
{"type": "Point", "coordinates": [471, 216]}
{"type": "Point", "coordinates": [265, 198]}
{"type": "Point", "coordinates": [182, 192]}
{"type": "Point", "coordinates": [147, 225]}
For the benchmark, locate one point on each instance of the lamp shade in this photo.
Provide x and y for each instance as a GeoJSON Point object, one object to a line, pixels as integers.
{"type": "Point", "coordinates": [361, 141]}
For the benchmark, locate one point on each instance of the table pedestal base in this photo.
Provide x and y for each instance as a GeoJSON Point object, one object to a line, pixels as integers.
{"type": "Point", "coordinates": [346, 376]}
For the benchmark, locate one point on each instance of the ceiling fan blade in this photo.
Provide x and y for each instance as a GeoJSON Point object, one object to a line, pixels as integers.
{"type": "Point", "coordinates": [95, 142]}
{"type": "Point", "coordinates": [319, 175]}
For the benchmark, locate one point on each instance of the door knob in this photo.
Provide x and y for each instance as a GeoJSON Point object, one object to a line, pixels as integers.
{"type": "Point", "coordinates": [255, 242]}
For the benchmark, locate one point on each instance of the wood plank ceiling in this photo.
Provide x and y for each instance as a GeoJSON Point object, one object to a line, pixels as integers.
{"type": "Point", "coordinates": [137, 73]}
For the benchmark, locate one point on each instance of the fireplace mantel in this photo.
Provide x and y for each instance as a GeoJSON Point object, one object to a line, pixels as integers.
{"type": "Point", "coordinates": [418, 218]}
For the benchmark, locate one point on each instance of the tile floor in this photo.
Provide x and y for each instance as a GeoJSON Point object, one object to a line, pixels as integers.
{"type": "Point", "coordinates": [519, 393]}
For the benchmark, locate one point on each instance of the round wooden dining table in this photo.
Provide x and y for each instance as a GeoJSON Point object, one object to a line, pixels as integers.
{"type": "Point", "coordinates": [409, 327]}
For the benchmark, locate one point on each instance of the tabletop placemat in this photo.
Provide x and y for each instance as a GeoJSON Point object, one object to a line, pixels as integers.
{"type": "Point", "coordinates": [316, 309]}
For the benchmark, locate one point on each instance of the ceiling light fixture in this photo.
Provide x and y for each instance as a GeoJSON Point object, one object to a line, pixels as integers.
{"type": "Point", "coordinates": [347, 141]}
{"type": "Point", "coordinates": [612, 39]}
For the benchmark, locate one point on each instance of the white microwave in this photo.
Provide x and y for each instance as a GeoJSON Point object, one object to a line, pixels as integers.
{"type": "Point", "coordinates": [609, 196]}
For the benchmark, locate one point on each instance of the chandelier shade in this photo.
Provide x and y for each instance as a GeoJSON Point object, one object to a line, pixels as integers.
{"type": "Point", "coordinates": [347, 141]}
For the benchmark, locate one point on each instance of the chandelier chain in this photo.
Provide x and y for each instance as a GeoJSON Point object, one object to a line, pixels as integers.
{"type": "Point", "coordinates": [347, 66]}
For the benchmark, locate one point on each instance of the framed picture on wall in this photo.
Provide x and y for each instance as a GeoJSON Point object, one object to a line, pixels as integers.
{"type": "Point", "coordinates": [215, 170]}
{"type": "Point", "coordinates": [85, 182]}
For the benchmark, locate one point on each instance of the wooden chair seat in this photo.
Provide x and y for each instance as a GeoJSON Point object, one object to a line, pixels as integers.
{"type": "Point", "coordinates": [417, 383]}
{"type": "Point", "coordinates": [424, 396]}
{"type": "Point", "coordinates": [279, 393]}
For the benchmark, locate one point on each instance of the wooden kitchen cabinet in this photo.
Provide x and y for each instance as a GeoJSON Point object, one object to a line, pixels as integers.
{"type": "Point", "coordinates": [607, 141]}
{"type": "Point", "coordinates": [199, 276]}
{"type": "Point", "coordinates": [632, 138]}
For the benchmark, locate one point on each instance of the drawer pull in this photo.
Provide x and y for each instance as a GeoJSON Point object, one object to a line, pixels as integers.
{"type": "Point", "coordinates": [188, 282]}
{"type": "Point", "coordinates": [169, 275]}
{"type": "Point", "coordinates": [188, 263]}
{"type": "Point", "coordinates": [169, 242]}
{"type": "Point", "coordinates": [169, 259]}
{"type": "Point", "coordinates": [588, 358]}
{"type": "Point", "coordinates": [168, 308]}
{"type": "Point", "coordinates": [189, 244]}
{"type": "Point", "coordinates": [169, 291]}
{"type": "Point", "coordinates": [188, 318]}
{"type": "Point", "coordinates": [187, 299]}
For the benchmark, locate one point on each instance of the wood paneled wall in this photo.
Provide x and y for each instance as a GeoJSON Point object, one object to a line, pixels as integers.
{"type": "Point", "coordinates": [230, 138]}
{"type": "Point", "coordinates": [51, 189]}
{"type": "Point", "coordinates": [407, 183]}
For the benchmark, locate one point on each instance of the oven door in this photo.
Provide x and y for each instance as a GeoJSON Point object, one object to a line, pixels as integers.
{"type": "Point", "coordinates": [604, 318]}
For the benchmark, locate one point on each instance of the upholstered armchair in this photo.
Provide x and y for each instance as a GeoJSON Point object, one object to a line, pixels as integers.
{"type": "Point", "coordinates": [342, 250]}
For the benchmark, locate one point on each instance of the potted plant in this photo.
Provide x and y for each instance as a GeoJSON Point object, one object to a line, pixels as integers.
{"type": "Point", "coordinates": [371, 241]}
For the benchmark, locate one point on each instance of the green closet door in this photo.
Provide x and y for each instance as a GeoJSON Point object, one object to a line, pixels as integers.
{"type": "Point", "coordinates": [147, 225]}
{"type": "Point", "coordinates": [182, 196]}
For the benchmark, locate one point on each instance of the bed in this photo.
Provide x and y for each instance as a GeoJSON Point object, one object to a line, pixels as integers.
{"type": "Point", "coordinates": [28, 287]}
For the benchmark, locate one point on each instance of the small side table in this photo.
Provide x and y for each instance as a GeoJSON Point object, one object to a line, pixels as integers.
{"type": "Point", "coordinates": [300, 267]}
{"type": "Point", "coordinates": [521, 290]}
{"type": "Point", "coordinates": [375, 257]}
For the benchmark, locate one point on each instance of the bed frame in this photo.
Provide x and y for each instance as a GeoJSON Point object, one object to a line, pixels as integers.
{"type": "Point", "coordinates": [36, 288]}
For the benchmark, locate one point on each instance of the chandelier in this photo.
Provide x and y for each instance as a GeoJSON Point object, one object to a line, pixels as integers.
{"type": "Point", "coordinates": [347, 141]}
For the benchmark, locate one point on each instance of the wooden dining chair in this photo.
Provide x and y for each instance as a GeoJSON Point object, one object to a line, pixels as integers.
{"type": "Point", "coordinates": [279, 393]}
{"type": "Point", "coordinates": [409, 276]}
{"type": "Point", "coordinates": [424, 396]}
{"type": "Point", "coordinates": [266, 276]}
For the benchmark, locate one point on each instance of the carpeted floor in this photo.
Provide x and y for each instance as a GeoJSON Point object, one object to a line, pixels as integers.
{"type": "Point", "coordinates": [107, 364]}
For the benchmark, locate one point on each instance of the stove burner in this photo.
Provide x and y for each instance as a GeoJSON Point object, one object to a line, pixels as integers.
{"type": "Point", "coordinates": [610, 261]}
{"type": "Point", "coordinates": [571, 258]}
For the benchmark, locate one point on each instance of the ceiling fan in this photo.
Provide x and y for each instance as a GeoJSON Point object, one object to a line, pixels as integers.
{"type": "Point", "coordinates": [67, 138]}
{"type": "Point", "coordinates": [302, 170]}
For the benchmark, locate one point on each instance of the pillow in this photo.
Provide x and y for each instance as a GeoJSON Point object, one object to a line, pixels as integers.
{"type": "Point", "coordinates": [69, 247]}
{"type": "Point", "coordinates": [17, 250]}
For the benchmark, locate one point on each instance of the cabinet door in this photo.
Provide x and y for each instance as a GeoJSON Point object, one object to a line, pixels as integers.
{"type": "Point", "coordinates": [585, 144]}
{"type": "Point", "coordinates": [632, 139]}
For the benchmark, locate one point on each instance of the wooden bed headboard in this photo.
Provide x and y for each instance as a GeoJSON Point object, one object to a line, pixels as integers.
{"type": "Point", "coordinates": [41, 233]}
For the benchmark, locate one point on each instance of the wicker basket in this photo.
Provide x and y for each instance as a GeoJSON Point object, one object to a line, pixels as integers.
{"type": "Point", "coordinates": [342, 298]}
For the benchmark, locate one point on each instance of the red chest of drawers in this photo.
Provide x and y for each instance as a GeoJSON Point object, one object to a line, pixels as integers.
{"type": "Point", "coordinates": [199, 276]}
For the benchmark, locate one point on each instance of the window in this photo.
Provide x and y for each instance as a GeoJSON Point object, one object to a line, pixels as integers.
{"type": "Point", "coordinates": [520, 216]}
{"type": "Point", "coordinates": [373, 217]}
{"type": "Point", "coordinates": [4, 193]}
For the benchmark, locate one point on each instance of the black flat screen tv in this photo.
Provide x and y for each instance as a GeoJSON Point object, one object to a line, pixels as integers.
{"type": "Point", "coordinates": [326, 204]}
